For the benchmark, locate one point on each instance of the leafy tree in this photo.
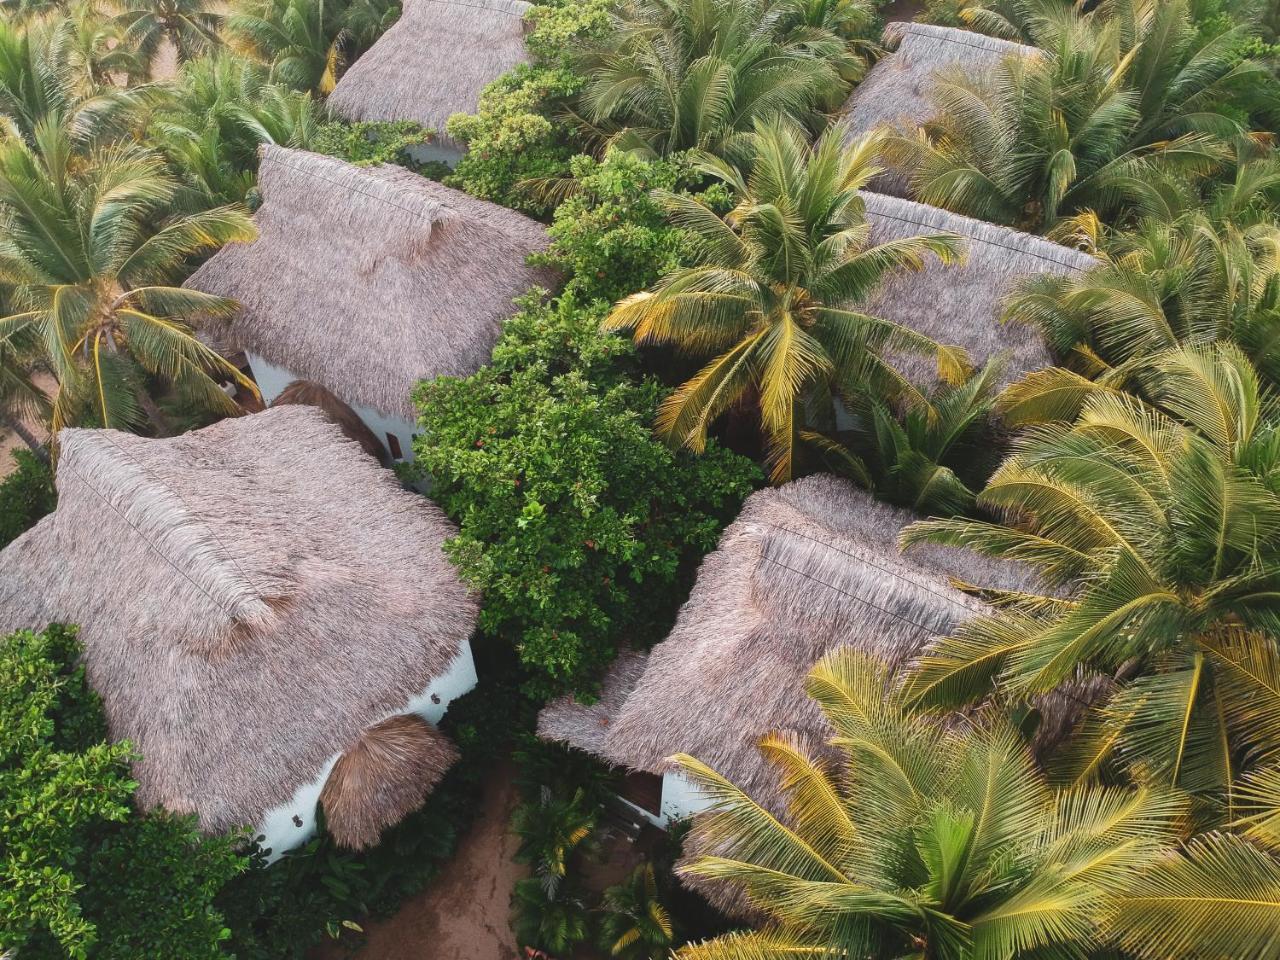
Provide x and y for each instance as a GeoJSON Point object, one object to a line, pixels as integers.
{"type": "Point", "coordinates": [670, 76]}
{"type": "Point", "coordinates": [923, 839]}
{"type": "Point", "coordinates": [308, 43]}
{"type": "Point", "coordinates": [1161, 523]}
{"type": "Point", "coordinates": [84, 874]}
{"type": "Point", "coordinates": [552, 829]}
{"type": "Point", "coordinates": [772, 295]}
{"type": "Point", "coordinates": [635, 924]}
{"type": "Point", "coordinates": [190, 26]}
{"type": "Point", "coordinates": [575, 524]}
{"type": "Point", "coordinates": [89, 271]}
{"type": "Point", "coordinates": [26, 495]}
{"type": "Point", "coordinates": [1087, 125]}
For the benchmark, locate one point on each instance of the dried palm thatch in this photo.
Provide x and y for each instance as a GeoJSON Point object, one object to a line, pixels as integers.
{"type": "Point", "coordinates": [896, 91]}
{"type": "Point", "coordinates": [252, 598]}
{"type": "Point", "coordinates": [306, 393]}
{"type": "Point", "coordinates": [386, 774]}
{"type": "Point", "coordinates": [961, 305]}
{"type": "Point", "coordinates": [367, 279]}
{"type": "Point", "coordinates": [805, 568]}
{"type": "Point", "coordinates": [434, 62]}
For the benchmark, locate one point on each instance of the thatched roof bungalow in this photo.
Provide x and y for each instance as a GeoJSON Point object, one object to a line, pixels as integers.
{"type": "Point", "coordinates": [433, 63]}
{"type": "Point", "coordinates": [805, 568]}
{"type": "Point", "coordinates": [896, 91]}
{"type": "Point", "coordinates": [365, 280]}
{"type": "Point", "coordinates": [265, 613]}
{"type": "Point", "coordinates": [961, 304]}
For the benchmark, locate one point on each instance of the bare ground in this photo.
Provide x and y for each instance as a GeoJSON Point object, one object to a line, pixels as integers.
{"type": "Point", "coordinates": [466, 913]}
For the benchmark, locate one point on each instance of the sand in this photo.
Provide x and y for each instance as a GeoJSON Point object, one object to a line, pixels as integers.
{"type": "Point", "coordinates": [466, 913]}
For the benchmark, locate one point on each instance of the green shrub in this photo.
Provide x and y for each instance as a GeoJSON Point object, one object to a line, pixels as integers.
{"type": "Point", "coordinates": [372, 142]}
{"type": "Point", "coordinates": [575, 523]}
{"type": "Point", "coordinates": [610, 238]}
{"type": "Point", "coordinates": [516, 139]}
{"type": "Point", "coordinates": [26, 495]}
{"type": "Point", "coordinates": [83, 874]}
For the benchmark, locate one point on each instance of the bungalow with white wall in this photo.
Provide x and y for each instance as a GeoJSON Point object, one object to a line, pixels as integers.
{"type": "Point", "coordinates": [365, 280]}
{"type": "Point", "coordinates": [433, 63]}
{"type": "Point", "coordinates": [267, 615]}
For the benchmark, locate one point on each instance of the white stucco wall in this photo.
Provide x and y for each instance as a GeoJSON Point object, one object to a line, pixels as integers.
{"type": "Point", "coordinates": [430, 152]}
{"type": "Point", "coordinates": [272, 380]}
{"type": "Point", "coordinates": [680, 798]}
{"type": "Point", "coordinates": [282, 832]}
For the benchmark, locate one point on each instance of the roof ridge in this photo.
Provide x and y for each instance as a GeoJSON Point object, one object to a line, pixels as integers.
{"type": "Point", "coordinates": [194, 551]}
{"type": "Point", "coordinates": [510, 8]}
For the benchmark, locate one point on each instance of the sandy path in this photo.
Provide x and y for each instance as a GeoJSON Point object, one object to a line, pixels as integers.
{"type": "Point", "coordinates": [466, 913]}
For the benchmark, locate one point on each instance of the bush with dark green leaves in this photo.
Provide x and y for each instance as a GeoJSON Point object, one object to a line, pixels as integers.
{"type": "Point", "coordinates": [371, 142]}
{"type": "Point", "coordinates": [517, 141]}
{"type": "Point", "coordinates": [83, 874]}
{"type": "Point", "coordinates": [578, 527]}
{"type": "Point", "coordinates": [26, 495]}
{"type": "Point", "coordinates": [610, 236]}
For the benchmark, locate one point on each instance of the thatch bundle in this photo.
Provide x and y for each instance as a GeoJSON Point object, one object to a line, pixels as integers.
{"type": "Point", "coordinates": [896, 91]}
{"type": "Point", "coordinates": [367, 279]}
{"type": "Point", "coordinates": [961, 304]}
{"type": "Point", "coordinates": [805, 568]}
{"type": "Point", "coordinates": [385, 775]}
{"type": "Point", "coordinates": [252, 598]}
{"type": "Point", "coordinates": [307, 393]}
{"type": "Point", "coordinates": [434, 62]}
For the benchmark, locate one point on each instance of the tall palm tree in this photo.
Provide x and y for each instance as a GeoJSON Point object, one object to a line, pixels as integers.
{"type": "Point", "coordinates": [89, 256]}
{"type": "Point", "coordinates": [308, 43]}
{"type": "Point", "coordinates": [773, 295]}
{"type": "Point", "coordinates": [47, 70]}
{"type": "Point", "coordinates": [1087, 125]}
{"type": "Point", "coordinates": [1161, 524]}
{"type": "Point", "coordinates": [673, 75]}
{"type": "Point", "coordinates": [917, 839]}
{"type": "Point", "coordinates": [190, 26]}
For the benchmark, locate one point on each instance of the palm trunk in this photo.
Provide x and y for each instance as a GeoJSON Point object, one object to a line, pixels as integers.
{"type": "Point", "coordinates": [25, 434]}
{"type": "Point", "coordinates": [154, 413]}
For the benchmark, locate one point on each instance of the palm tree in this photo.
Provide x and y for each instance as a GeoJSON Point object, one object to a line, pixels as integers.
{"type": "Point", "coordinates": [308, 43]}
{"type": "Point", "coordinates": [49, 70]}
{"type": "Point", "coordinates": [772, 296]}
{"type": "Point", "coordinates": [223, 109]}
{"type": "Point", "coordinates": [1160, 523]}
{"type": "Point", "coordinates": [1088, 125]}
{"type": "Point", "coordinates": [88, 255]}
{"type": "Point", "coordinates": [190, 26]}
{"type": "Point", "coordinates": [918, 839]}
{"type": "Point", "coordinates": [635, 924]}
{"type": "Point", "coordinates": [673, 75]}
{"type": "Point", "coordinates": [551, 831]}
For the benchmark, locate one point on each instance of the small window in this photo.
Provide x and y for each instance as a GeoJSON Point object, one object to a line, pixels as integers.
{"type": "Point", "coordinates": [393, 444]}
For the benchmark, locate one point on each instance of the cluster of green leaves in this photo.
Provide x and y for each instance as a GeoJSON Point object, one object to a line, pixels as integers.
{"type": "Point", "coordinates": [26, 495]}
{"type": "Point", "coordinates": [370, 142]}
{"type": "Point", "coordinates": [575, 524]}
{"type": "Point", "coordinates": [515, 142]}
{"type": "Point", "coordinates": [82, 873]}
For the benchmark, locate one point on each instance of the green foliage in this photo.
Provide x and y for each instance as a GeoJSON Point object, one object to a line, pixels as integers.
{"type": "Point", "coordinates": [514, 139]}
{"type": "Point", "coordinates": [610, 236]}
{"type": "Point", "coordinates": [554, 923]}
{"type": "Point", "coordinates": [372, 142]}
{"type": "Point", "coordinates": [321, 891]}
{"type": "Point", "coordinates": [635, 925]}
{"type": "Point", "coordinates": [26, 495]}
{"type": "Point", "coordinates": [553, 827]}
{"type": "Point", "coordinates": [82, 874]}
{"type": "Point", "coordinates": [575, 523]}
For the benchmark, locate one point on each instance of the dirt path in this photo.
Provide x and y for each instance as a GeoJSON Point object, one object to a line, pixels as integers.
{"type": "Point", "coordinates": [465, 914]}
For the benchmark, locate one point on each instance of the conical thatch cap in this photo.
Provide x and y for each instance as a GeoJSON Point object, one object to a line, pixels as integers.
{"type": "Point", "coordinates": [367, 279]}
{"type": "Point", "coordinates": [434, 62]}
{"type": "Point", "coordinates": [961, 304]}
{"type": "Point", "coordinates": [896, 91]}
{"type": "Point", "coordinates": [252, 597]}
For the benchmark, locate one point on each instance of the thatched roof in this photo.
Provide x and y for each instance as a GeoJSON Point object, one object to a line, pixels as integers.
{"type": "Point", "coordinates": [805, 568]}
{"type": "Point", "coordinates": [385, 775]}
{"type": "Point", "coordinates": [252, 598]}
{"type": "Point", "coordinates": [307, 393]}
{"type": "Point", "coordinates": [961, 304]}
{"type": "Point", "coordinates": [434, 62]}
{"type": "Point", "coordinates": [896, 91]}
{"type": "Point", "coordinates": [367, 279]}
